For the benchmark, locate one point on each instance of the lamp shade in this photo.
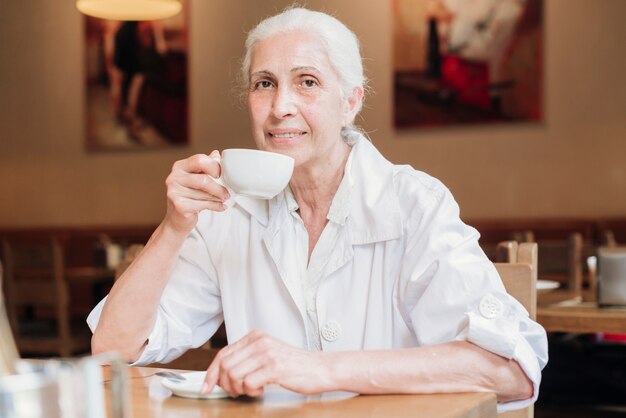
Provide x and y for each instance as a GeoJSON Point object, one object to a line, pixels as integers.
{"type": "Point", "coordinates": [129, 9]}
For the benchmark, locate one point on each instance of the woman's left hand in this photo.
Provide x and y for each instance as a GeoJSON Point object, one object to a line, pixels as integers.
{"type": "Point", "coordinates": [245, 367]}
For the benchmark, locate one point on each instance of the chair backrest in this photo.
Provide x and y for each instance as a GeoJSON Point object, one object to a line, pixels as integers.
{"type": "Point", "coordinates": [506, 252]}
{"type": "Point", "coordinates": [563, 258]}
{"type": "Point", "coordinates": [519, 275]}
{"type": "Point", "coordinates": [34, 274]}
{"type": "Point", "coordinates": [526, 235]}
{"type": "Point", "coordinates": [608, 238]}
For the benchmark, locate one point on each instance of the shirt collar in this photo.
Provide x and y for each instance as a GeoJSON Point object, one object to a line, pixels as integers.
{"type": "Point", "coordinates": [374, 206]}
{"type": "Point", "coordinates": [258, 208]}
{"type": "Point", "coordinates": [366, 199]}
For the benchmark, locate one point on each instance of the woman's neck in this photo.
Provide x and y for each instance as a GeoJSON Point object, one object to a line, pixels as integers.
{"type": "Point", "coordinates": [314, 185]}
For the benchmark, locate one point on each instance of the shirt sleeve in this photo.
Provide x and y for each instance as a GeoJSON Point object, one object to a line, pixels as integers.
{"type": "Point", "coordinates": [452, 291]}
{"type": "Point", "coordinates": [190, 309]}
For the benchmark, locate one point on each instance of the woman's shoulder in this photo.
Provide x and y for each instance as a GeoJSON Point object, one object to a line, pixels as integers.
{"type": "Point", "coordinates": [423, 197]}
{"type": "Point", "coordinates": [414, 191]}
{"type": "Point", "coordinates": [412, 184]}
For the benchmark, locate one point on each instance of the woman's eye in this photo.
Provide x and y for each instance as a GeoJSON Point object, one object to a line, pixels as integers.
{"type": "Point", "coordinates": [309, 82]}
{"type": "Point", "coordinates": [263, 84]}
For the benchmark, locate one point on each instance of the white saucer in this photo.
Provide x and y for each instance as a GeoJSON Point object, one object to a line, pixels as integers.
{"type": "Point", "coordinates": [547, 284]}
{"type": "Point", "coordinates": [190, 388]}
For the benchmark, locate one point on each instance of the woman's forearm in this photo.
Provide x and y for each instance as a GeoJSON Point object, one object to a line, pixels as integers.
{"type": "Point", "coordinates": [130, 310]}
{"type": "Point", "coordinates": [447, 368]}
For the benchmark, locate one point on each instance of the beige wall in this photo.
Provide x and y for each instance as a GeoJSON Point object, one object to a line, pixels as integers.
{"type": "Point", "coordinates": [572, 165]}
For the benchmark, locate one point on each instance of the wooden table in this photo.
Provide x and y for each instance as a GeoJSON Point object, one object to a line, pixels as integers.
{"type": "Point", "coordinates": [558, 313]}
{"type": "Point", "coordinates": [150, 399]}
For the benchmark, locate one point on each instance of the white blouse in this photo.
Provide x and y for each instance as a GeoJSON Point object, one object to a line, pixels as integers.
{"type": "Point", "coordinates": [395, 267]}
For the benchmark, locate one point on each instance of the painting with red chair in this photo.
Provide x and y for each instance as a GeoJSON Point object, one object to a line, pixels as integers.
{"type": "Point", "coordinates": [467, 61]}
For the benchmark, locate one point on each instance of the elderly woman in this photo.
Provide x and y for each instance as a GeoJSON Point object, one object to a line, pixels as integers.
{"type": "Point", "coordinates": [359, 276]}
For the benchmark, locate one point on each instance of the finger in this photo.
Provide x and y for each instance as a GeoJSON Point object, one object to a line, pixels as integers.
{"type": "Point", "coordinates": [254, 383]}
{"type": "Point", "coordinates": [199, 163]}
{"type": "Point", "coordinates": [244, 349]}
{"type": "Point", "coordinates": [212, 374]}
{"type": "Point", "coordinates": [188, 206]}
{"type": "Point", "coordinates": [242, 342]}
{"type": "Point", "coordinates": [213, 371]}
{"type": "Point", "coordinates": [197, 195]}
{"type": "Point", "coordinates": [196, 187]}
{"type": "Point", "coordinates": [181, 192]}
{"type": "Point", "coordinates": [234, 375]}
{"type": "Point", "coordinates": [229, 360]}
{"type": "Point", "coordinates": [207, 184]}
{"type": "Point", "coordinates": [203, 183]}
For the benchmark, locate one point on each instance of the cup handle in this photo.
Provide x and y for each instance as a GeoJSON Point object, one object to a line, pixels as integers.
{"type": "Point", "coordinates": [219, 180]}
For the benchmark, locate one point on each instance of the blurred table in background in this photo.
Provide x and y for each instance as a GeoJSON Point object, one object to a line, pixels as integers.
{"type": "Point", "coordinates": [581, 317]}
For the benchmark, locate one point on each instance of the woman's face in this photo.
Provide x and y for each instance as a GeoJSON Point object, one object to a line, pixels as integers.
{"type": "Point", "coordinates": [295, 101]}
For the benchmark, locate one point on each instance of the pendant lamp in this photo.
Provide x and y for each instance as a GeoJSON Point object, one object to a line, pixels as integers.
{"type": "Point", "coordinates": [129, 9]}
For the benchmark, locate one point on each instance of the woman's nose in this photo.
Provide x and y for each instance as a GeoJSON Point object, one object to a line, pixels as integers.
{"type": "Point", "coordinates": [284, 103]}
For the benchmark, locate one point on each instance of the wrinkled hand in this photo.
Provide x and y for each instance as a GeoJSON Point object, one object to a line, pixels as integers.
{"type": "Point", "coordinates": [190, 190]}
{"type": "Point", "coordinates": [245, 367]}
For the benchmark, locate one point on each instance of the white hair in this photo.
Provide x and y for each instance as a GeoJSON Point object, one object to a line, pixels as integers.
{"type": "Point", "coordinates": [341, 44]}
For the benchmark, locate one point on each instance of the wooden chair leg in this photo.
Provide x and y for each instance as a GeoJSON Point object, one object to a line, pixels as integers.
{"type": "Point", "coordinates": [575, 272]}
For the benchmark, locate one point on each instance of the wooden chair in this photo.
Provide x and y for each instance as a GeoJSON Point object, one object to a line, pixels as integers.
{"type": "Point", "coordinates": [518, 272]}
{"type": "Point", "coordinates": [506, 252]}
{"type": "Point", "coordinates": [499, 251]}
{"type": "Point", "coordinates": [561, 260]}
{"type": "Point", "coordinates": [526, 235]}
{"type": "Point", "coordinates": [608, 239]}
{"type": "Point", "coordinates": [38, 298]}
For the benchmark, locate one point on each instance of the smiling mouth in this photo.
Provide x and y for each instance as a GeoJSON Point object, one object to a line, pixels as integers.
{"type": "Point", "coordinates": [287, 135]}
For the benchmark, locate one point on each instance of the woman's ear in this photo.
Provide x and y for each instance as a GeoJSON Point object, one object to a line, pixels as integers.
{"type": "Point", "coordinates": [352, 105]}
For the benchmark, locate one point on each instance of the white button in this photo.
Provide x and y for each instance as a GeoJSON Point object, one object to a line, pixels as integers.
{"type": "Point", "coordinates": [490, 307]}
{"type": "Point", "coordinates": [331, 331]}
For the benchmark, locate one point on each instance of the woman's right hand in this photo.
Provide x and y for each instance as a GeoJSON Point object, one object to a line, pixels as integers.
{"type": "Point", "coordinates": [125, 325]}
{"type": "Point", "coordinates": [191, 189]}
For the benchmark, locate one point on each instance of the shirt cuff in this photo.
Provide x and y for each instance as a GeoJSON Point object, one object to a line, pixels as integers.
{"type": "Point", "coordinates": [161, 347]}
{"type": "Point", "coordinates": [167, 341]}
{"type": "Point", "coordinates": [496, 326]}
{"type": "Point", "coordinates": [94, 316]}
{"type": "Point", "coordinates": [527, 359]}
{"type": "Point", "coordinates": [152, 352]}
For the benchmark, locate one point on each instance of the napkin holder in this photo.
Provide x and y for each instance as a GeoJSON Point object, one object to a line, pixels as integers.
{"type": "Point", "coordinates": [611, 278]}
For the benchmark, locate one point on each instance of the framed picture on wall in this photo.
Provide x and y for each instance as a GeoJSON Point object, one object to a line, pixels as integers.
{"type": "Point", "coordinates": [459, 62]}
{"type": "Point", "coordinates": [137, 74]}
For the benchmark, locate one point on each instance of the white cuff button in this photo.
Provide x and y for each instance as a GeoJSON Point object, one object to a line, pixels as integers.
{"type": "Point", "coordinates": [490, 307]}
{"type": "Point", "coordinates": [331, 331]}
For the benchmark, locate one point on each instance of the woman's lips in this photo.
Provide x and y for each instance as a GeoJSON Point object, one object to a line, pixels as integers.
{"type": "Point", "coordinates": [285, 136]}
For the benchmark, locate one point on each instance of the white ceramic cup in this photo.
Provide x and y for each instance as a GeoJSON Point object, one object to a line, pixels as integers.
{"type": "Point", "coordinates": [255, 173]}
